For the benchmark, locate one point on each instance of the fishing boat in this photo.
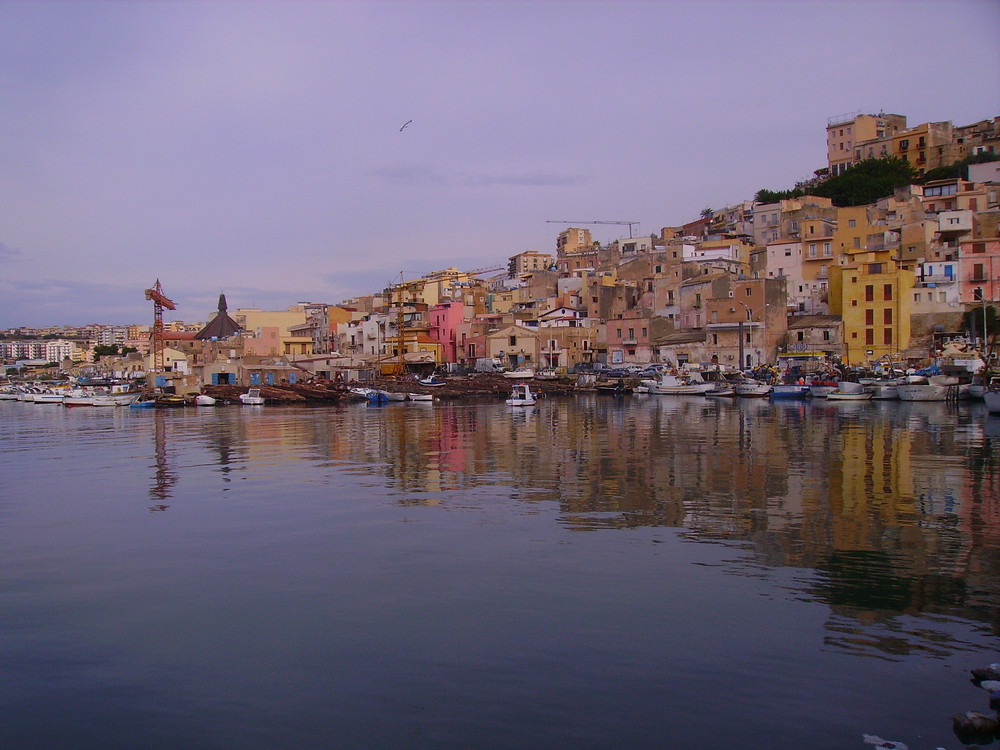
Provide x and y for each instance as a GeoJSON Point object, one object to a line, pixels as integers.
{"type": "Point", "coordinates": [922, 391]}
{"type": "Point", "coordinates": [204, 400]}
{"type": "Point", "coordinates": [992, 398]}
{"type": "Point", "coordinates": [252, 397]}
{"type": "Point", "coordinates": [721, 390]}
{"type": "Point", "coordinates": [752, 389]}
{"type": "Point", "coordinates": [419, 397]}
{"type": "Point", "coordinates": [789, 390]}
{"type": "Point", "coordinates": [521, 395]}
{"type": "Point", "coordinates": [678, 385]}
{"type": "Point", "coordinates": [519, 373]}
{"type": "Point", "coordinates": [845, 396]}
{"type": "Point", "coordinates": [433, 380]}
{"type": "Point", "coordinates": [547, 374]}
{"type": "Point", "coordinates": [820, 388]}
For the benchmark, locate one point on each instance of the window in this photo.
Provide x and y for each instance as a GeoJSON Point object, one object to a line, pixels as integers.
{"type": "Point", "coordinates": [978, 272]}
{"type": "Point", "coordinates": [800, 336]}
{"type": "Point", "coordinates": [916, 297]}
{"type": "Point", "coordinates": [631, 333]}
{"type": "Point", "coordinates": [869, 317]}
{"type": "Point", "coordinates": [619, 333]}
{"type": "Point", "coordinates": [854, 334]}
{"type": "Point", "coordinates": [715, 339]}
{"type": "Point", "coordinates": [887, 336]}
{"type": "Point", "coordinates": [887, 316]}
{"type": "Point", "coordinates": [887, 291]}
{"type": "Point", "coordinates": [857, 242]}
{"type": "Point", "coordinates": [645, 332]}
{"type": "Point", "coordinates": [869, 336]}
{"type": "Point", "coordinates": [869, 293]}
{"type": "Point", "coordinates": [852, 222]}
{"type": "Point", "coordinates": [512, 341]}
{"type": "Point", "coordinates": [748, 291]}
{"type": "Point", "coordinates": [788, 253]}
{"type": "Point", "coordinates": [854, 303]}
{"type": "Point", "coordinates": [826, 335]}
{"type": "Point", "coordinates": [827, 250]}
{"type": "Point", "coordinates": [812, 249]}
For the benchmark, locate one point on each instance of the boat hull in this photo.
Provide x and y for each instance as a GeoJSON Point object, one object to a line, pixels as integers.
{"type": "Point", "coordinates": [922, 392]}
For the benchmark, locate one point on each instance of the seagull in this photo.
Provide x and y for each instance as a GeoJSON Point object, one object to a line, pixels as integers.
{"type": "Point", "coordinates": [405, 124]}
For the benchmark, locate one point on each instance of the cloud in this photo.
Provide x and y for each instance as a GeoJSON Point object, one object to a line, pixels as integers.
{"type": "Point", "coordinates": [8, 253]}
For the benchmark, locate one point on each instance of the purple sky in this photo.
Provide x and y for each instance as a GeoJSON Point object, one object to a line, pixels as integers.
{"type": "Point", "coordinates": [253, 148]}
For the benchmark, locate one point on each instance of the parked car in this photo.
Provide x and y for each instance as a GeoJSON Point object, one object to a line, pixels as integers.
{"type": "Point", "coordinates": [618, 372]}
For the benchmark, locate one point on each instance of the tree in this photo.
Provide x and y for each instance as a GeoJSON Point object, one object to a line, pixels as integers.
{"type": "Point", "coordinates": [706, 213]}
{"type": "Point", "coordinates": [105, 350]}
{"type": "Point", "coordinates": [867, 181]}
{"type": "Point", "coordinates": [774, 196]}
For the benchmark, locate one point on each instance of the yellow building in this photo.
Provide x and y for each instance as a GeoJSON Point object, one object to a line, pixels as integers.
{"type": "Point", "coordinates": [872, 296]}
{"type": "Point", "coordinates": [846, 133]}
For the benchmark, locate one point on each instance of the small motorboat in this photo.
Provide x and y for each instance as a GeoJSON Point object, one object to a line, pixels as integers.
{"type": "Point", "coordinates": [252, 397]}
{"type": "Point", "coordinates": [752, 389]}
{"type": "Point", "coordinates": [420, 397]}
{"type": "Point", "coordinates": [848, 396]}
{"type": "Point", "coordinates": [432, 380]}
{"type": "Point", "coordinates": [204, 400]}
{"type": "Point", "coordinates": [789, 390]}
{"type": "Point", "coordinates": [521, 395]}
{"type": "Point", "coordinates": [519, 373]}
{"type": "Point", "coordinates": [992, 398]}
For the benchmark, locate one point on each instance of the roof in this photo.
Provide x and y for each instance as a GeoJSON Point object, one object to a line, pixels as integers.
{"type": "Point", "coordinates": [813, 321]}
{"type": "Point", "coordinates": [690, 336]}
{"type": "Point", "coordinates": [221, 326]}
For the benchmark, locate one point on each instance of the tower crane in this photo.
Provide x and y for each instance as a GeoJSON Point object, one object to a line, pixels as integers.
{"type": "Point", "coordinates": [575, 223]}
{"type": "Point", "coordinates": [160, 301]}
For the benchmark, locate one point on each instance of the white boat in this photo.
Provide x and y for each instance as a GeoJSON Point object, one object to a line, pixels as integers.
{"type": "Point", "coordinates": [883, 390]}
{"type": "Point", "coordinates": [204, 400]}
{"type": "Point", "coordinates": [418, 397]}
{"type": "Point", "coordinates": [752, 389]}
{"type": "Point", "coordinates": [48, 397]}
{"type": "Point", "coordinates": [547, 374]}
{"type": "Point", "coordinates": [432, 380]}
{"type": "Point", "coordinates": [721, 391]}
{"type": "Point", "coordinates": [847, 386]}
{"type": "Point", "coordinates": [521, 395]}
{"type": "Point", "coordinates": [519, 373]}
{"type": "Point", "coordinates": [820, 388]}
{"type": "Point", "coordinates": [391, 396]}
{"type": "Point", "coordinates": [678, 385]}
{"type": "Point", "coordinates": [852, 396]}
{"type": "Point", "coordinates": [992, 399]}
{"type": "Point", "coordinates": [252, 397]}
{"type": "Point", "coordinates": [922, 392]}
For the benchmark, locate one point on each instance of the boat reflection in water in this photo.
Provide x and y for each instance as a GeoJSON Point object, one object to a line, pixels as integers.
{"type": "Point", "coordinates": [587, 571]}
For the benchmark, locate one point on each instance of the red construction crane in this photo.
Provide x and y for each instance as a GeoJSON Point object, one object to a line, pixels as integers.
{"type": "Point", "coordinates": [160, 301]}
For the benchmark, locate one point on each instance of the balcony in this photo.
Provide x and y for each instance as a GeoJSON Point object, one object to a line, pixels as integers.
{"type": "Point", "coordinates": [979, 278]}
{"type": "Point", "coordinates": [629, 342]}
{"type": "Point", "coordinates": [936, 278]}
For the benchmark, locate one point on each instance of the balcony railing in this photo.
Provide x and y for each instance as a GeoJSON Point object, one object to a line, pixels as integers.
{"type": "Point", "coordinates": [978, 277]}
{"type": "Point", "coordinates": [628, 342]}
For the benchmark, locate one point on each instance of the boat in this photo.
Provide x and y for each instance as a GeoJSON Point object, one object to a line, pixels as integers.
{"type": "Point", "coordinates": [883, 390]}
{"type": "Point", "coordinates": [252, 397]}
{"type": "Point", "coordinates": [846, 396]}
{"type": "Point", "coordinates": [617, 388]}
{"type": "Point", "coordinates": [678, 385]}
{"type": "Point", "coordinates": [116, 399]}
{"type": "Point", "coordinates": [372, 395]}
{"type": "Point", "coordinates": [992, 399]}
{"type": "Point", "coordinates": [418, 397]}
{"type": "Point", "coordinates": [789, 390]}
{"type": "Point", "coordinates": [752, 389]}
{"type": "Point", "coordinates": [849, 386]}
{"type": "Point", "coordinates": [521, 395]}
{"type": "Point", "coordinates": [432, 380]}
{"type": "Point", "coordinates": [519, 373]}
{"type": "Point", "coordinates": [820, 388]}
{"type": "Point", "coordinates": [925, 391]}
{"type": "Point", "coordinates": [48, 397]}
{"type": "Point", "coordinates": [547, 374]}
{"type": "Point", "coordinates": [143, 402]}
{"type": "Point", "coordinates": [721, 390]}
{"type": "Point", "coordinates": [390, 396]}
{"type": "Point", "coordinates": [204, 400]}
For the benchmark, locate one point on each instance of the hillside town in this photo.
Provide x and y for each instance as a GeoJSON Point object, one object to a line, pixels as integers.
{"type": "Point", "coordinates": [781, 274]}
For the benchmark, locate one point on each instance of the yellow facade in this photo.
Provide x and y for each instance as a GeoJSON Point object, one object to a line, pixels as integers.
{"type": "Point", "coordinates": [872, 296]}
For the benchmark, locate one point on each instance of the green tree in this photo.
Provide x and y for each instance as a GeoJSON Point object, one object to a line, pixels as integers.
{"type": "Point", "coordinates": [774, 196]}
{"type": "Point", "coordinates": [867, 181]}
{"type": "Point", "coordinates": [105, 350]}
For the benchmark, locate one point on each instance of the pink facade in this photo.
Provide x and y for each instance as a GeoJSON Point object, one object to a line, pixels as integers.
{"type": "Point", "coordinates": [980, 270]}
{"type": "Point", "coordinates": [445, 318]}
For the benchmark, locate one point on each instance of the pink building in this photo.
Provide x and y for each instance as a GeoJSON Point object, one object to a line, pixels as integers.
{"type": "Point", "coordinates": [980, 270]}
{"type": "Point", "coordinates": [445, 318]}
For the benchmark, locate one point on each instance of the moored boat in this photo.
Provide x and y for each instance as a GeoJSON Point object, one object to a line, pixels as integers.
{"type": "Point", "coordinates": [922, 391]}
{"type": "Point", "coordinates": [519, 373]}
{"type": "Point", "coordinates": [521, 395]}
{"type": "Point", "coordinates": [992, 399]}
{"type": "Point", "coordinates": [252, 397]}
{"type": "Point", "coordinates": [678, 385]}
{"type": "Point", "coordinates": [752, 389]}
{"type": "Point", "coordinates": [849, 396]}
{"type": "Point", "coordinates": [789, 390]}
{"type": "Point", "coordinates": [203, 399]}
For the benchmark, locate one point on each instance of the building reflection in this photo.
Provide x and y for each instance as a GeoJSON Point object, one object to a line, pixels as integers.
{"type": "Point", "coordinates": [889, 509]}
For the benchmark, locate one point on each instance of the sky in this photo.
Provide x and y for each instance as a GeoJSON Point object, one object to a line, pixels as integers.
{"type": "Point", "coordinates": [256, 149]}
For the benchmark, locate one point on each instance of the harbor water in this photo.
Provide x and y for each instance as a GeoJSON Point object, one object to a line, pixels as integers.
{"type": "Point", "coordinates": [590, 572]}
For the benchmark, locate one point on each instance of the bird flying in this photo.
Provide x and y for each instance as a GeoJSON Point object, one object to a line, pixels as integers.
{"type": "Point", "coordinates": [405, 124]}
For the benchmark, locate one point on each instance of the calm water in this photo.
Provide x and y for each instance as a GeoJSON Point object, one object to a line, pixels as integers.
{"type": "Point", "coordinates": [589, 573]}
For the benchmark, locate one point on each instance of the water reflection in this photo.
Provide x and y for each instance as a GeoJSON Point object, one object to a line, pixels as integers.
{"type": "Point", "coordinates": [894, 508]}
